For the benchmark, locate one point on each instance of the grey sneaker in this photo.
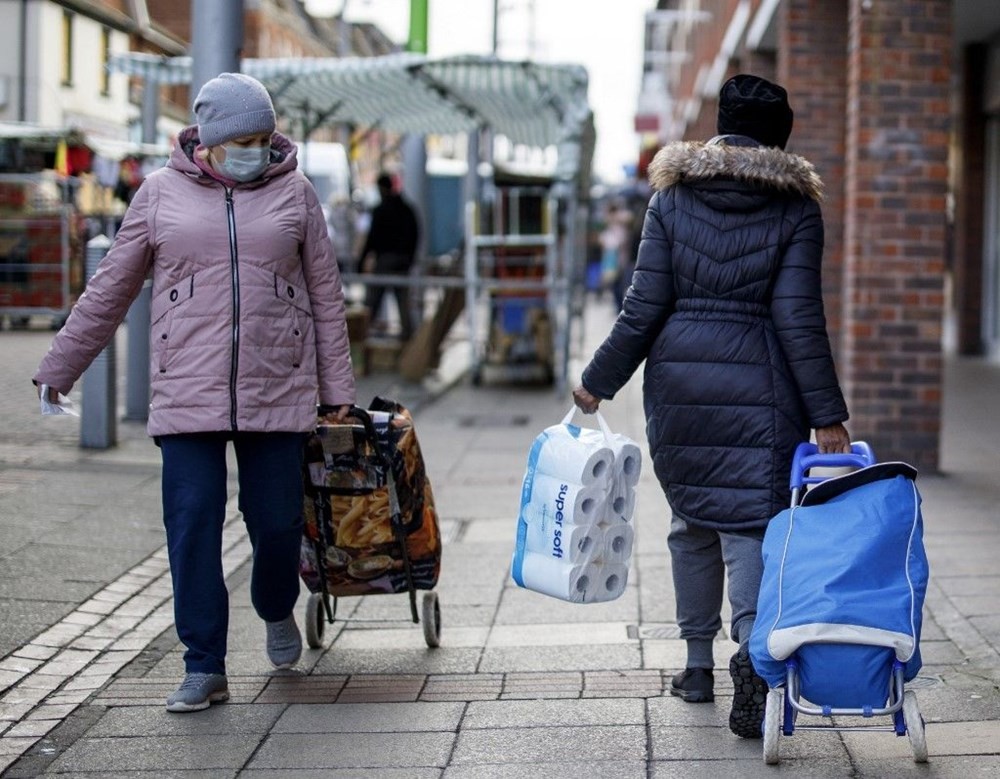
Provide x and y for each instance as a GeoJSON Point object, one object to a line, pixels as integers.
{"type": "Point", "coordinates": [284, 642]}
{"type": "Point", "coordinates": [198, 691]}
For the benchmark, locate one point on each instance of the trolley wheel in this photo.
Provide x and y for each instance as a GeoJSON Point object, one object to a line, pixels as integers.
{"type": "Point", "coordinates": [315, 620]}
{"type": "Point", "coordinates": [772, 726]}
{"type": "Point", "coordinates": [430, 618]}
{"type": "Point", "coordinates": [915, 726]}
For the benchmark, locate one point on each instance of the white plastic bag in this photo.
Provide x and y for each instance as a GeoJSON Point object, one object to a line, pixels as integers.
{"type": "Point", "coordinates": [63, 406]}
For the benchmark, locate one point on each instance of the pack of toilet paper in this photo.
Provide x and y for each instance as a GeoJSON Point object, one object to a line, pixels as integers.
{"type": "Point", "coordinates": [574, 530]}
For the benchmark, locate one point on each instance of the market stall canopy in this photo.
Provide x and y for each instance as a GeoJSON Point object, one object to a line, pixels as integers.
{"type": "Point", "coordinates": [534, 104]}
{"type": "Point", "coordinates": [48, 138]}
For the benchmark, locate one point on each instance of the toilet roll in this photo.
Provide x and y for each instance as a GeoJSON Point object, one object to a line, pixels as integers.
{"type": "Point", "coordinates": [580, 583]}
{"type": "Point", "coordinates": [547, 499]}
{"type": "Point", "coordinates": [620, 504]}
{"type": "Point", "coordinates": [626, 454]}
{"type": "Point", "coordinates": [562, 455]}
{"type": "Point", "coordinates": [572, 543]}
{"type": "Point", "coordinates": [616, 546]}
{"type": "Point", "coordinates": [628, 459]}
{"type": "Point", "coordinates": [612, 580]}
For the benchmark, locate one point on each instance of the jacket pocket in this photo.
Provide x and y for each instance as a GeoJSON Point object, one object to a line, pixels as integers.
{"type": "Point", "coordinates": [161, 315]}
{"type": "Point", "coordinates": [299, 315]}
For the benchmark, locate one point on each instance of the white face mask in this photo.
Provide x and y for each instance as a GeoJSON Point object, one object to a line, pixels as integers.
{"type": "Point", "coordinates": [244, 163]}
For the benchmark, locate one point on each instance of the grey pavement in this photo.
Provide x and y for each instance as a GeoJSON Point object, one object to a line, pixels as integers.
{"type": "Point", "coordinates": [523, 685]}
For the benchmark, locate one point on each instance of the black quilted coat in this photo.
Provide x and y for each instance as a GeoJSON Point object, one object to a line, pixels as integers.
{"type": "Point", "coordinates": [726, 309]}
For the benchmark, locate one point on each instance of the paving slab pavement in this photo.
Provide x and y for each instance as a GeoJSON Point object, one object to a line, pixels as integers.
{"type": "Point", "coordinates": [522, 685]}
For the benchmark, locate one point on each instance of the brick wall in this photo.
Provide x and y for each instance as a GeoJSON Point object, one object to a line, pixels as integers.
{"type": "Point", "coordinates": [760, 63]}
{"type": "Point", "coordinates": [898, 120]}
{"type": "Point", "coordinates": [812, 66]}
{"type": "Point", "coordinates": [173, 15]}
{"type": "Point", "coordinates": [701, 44]}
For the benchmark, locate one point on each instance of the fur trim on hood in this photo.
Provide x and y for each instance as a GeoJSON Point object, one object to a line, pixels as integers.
{"type": "Point", "coordinates": [692, 161]}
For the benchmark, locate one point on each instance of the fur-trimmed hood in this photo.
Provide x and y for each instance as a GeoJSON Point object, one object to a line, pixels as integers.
{"type": "Point", "coordinates": [768, 167]}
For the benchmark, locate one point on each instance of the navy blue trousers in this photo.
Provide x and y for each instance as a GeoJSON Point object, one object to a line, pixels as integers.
{"type": "Point", "coordinates": [269, 466]}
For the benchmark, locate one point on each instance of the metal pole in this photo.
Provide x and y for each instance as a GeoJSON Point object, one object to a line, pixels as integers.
{"type": "Point", "coordinates": [98, 429]}
{"type": "Point", "coordinates": [472, 182]}
{"type": "Point", "coordinates": [22, 84]}
{"type": "Point", "coordinates": [418, 26]}
{"type": "Point", "coordinates": [216, 40]}
{"type": "Point", "coordinates": [414, 149]}
{"type": "Point", "coordinates": [496, 25]}
{"type": "Point", "coordinates": [472, 286]}
{"type": "Point", "coordinates": [137, 321]}
{"type": "Point", "coordinates": [416, 188]}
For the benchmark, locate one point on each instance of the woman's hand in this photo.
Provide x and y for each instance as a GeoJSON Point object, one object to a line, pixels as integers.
{"type": "Point", "coordinates": [833, 439]}
{"type": "Point", "coordinates": [341, 413]}
{"type": "Point", "coordinates": [53, 394]}
{"type": "Point", "coordinates": [586, 402]}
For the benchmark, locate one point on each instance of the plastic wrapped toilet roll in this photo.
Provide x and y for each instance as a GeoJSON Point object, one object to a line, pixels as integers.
{"type": "Point", "coordinates": [628, 459]}
{"type": "Point", "coordinates": [547, 499]}
{"type": "Point", "coordinates": [562, 455]}
{"type": "Point", "coordinates": [572, 543]}
{"type": "Point", "coordinates": [580, 583]}
{"type": "Point", "coordinates": [627, 456]}
{"type": "Point", "coordinates": [617, 543]}
{"type": "Point", "coordinates": [620, 504]}
{"type": "Point", "coordinates": [612, 580]}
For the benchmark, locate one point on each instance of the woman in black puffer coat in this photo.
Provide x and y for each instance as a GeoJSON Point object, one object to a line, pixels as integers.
{"type": "Point", "coordinates": [726, 310]}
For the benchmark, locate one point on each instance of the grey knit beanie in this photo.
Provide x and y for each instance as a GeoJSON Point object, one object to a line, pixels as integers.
{"type": "Point", "coordinates": [232, 105]}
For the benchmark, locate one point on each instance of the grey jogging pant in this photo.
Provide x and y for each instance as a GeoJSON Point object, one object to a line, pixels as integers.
{"type": "Point", "coordinates": [699, 559]}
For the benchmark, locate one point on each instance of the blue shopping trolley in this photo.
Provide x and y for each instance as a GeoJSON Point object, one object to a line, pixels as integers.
{"type": "Point", "coordinates": [839, 615]}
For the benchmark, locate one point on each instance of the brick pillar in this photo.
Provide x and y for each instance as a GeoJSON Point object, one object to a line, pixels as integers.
{"type": "Point", "coordinates": [969, 188]}
{"type": "Point", "coordinates": [898, 120]}
{"type": "Point", "coordinates": [812, 66]}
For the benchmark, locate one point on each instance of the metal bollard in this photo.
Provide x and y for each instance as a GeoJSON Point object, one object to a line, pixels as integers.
{"type": "Point", "coordinates": [137, 356]}
{"type": "Point", "coordinates": [98, 426]}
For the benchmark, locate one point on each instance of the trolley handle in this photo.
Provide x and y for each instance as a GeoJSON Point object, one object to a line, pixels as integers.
{"type": "Point", "coordinates": [365, 419]}
{"type": "Point", "coordinates": [807, 456]}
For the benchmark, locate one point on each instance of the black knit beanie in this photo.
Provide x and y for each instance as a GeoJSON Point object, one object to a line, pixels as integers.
{"type": "Point", "coordinates": [753, 106]}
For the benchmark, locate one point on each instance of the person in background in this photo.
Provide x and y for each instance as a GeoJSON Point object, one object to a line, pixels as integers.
{"type": "Point", "coordinates": [614, 244]}
{"type": "Point", "coordinates": [726, 310]}
{"type": "Point", "coordinates": [392, 238]}
{"type": "Point", "coordinates": [247, 335]}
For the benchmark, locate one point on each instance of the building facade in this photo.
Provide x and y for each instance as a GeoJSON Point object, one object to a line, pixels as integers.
{"type": "Point", "coordinates": [897, 104]}
{"type": "Point", "coordinates": [53, 55]}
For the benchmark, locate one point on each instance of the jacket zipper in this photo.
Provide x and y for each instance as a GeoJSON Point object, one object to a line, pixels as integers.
{"type": "Point", "coordinates": [234, 264]}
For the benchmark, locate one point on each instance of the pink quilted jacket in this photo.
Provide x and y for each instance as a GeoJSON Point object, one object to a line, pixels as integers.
{"type": "Point", "coordinates": [247, 319]}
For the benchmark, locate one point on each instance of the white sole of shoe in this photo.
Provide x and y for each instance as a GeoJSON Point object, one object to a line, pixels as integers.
{"type": "Point", "coordinates": [215, 697]}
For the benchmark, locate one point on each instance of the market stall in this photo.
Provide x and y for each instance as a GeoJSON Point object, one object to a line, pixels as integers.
{"type": "Point", "coordinates": [542, 106]}
{"type": "Point", "coordinates": [57, 188]}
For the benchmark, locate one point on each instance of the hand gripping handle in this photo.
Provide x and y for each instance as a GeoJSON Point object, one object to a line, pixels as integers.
{"type": "Point", "coordinates": [807, 456]}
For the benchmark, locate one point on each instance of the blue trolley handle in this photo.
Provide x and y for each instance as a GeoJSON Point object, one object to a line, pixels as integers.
{"type": "Point", "coordinates": [807, 456]}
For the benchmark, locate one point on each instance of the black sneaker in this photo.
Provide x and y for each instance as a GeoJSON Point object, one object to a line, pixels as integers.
{"type": "Point", "coordinates": [693, 685]}
{"type": "Point", "coordinates": [749, 696]}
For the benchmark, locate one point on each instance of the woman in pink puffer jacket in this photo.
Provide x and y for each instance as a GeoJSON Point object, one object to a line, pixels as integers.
{"type": "Point", "coordinates": [247, 335]}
